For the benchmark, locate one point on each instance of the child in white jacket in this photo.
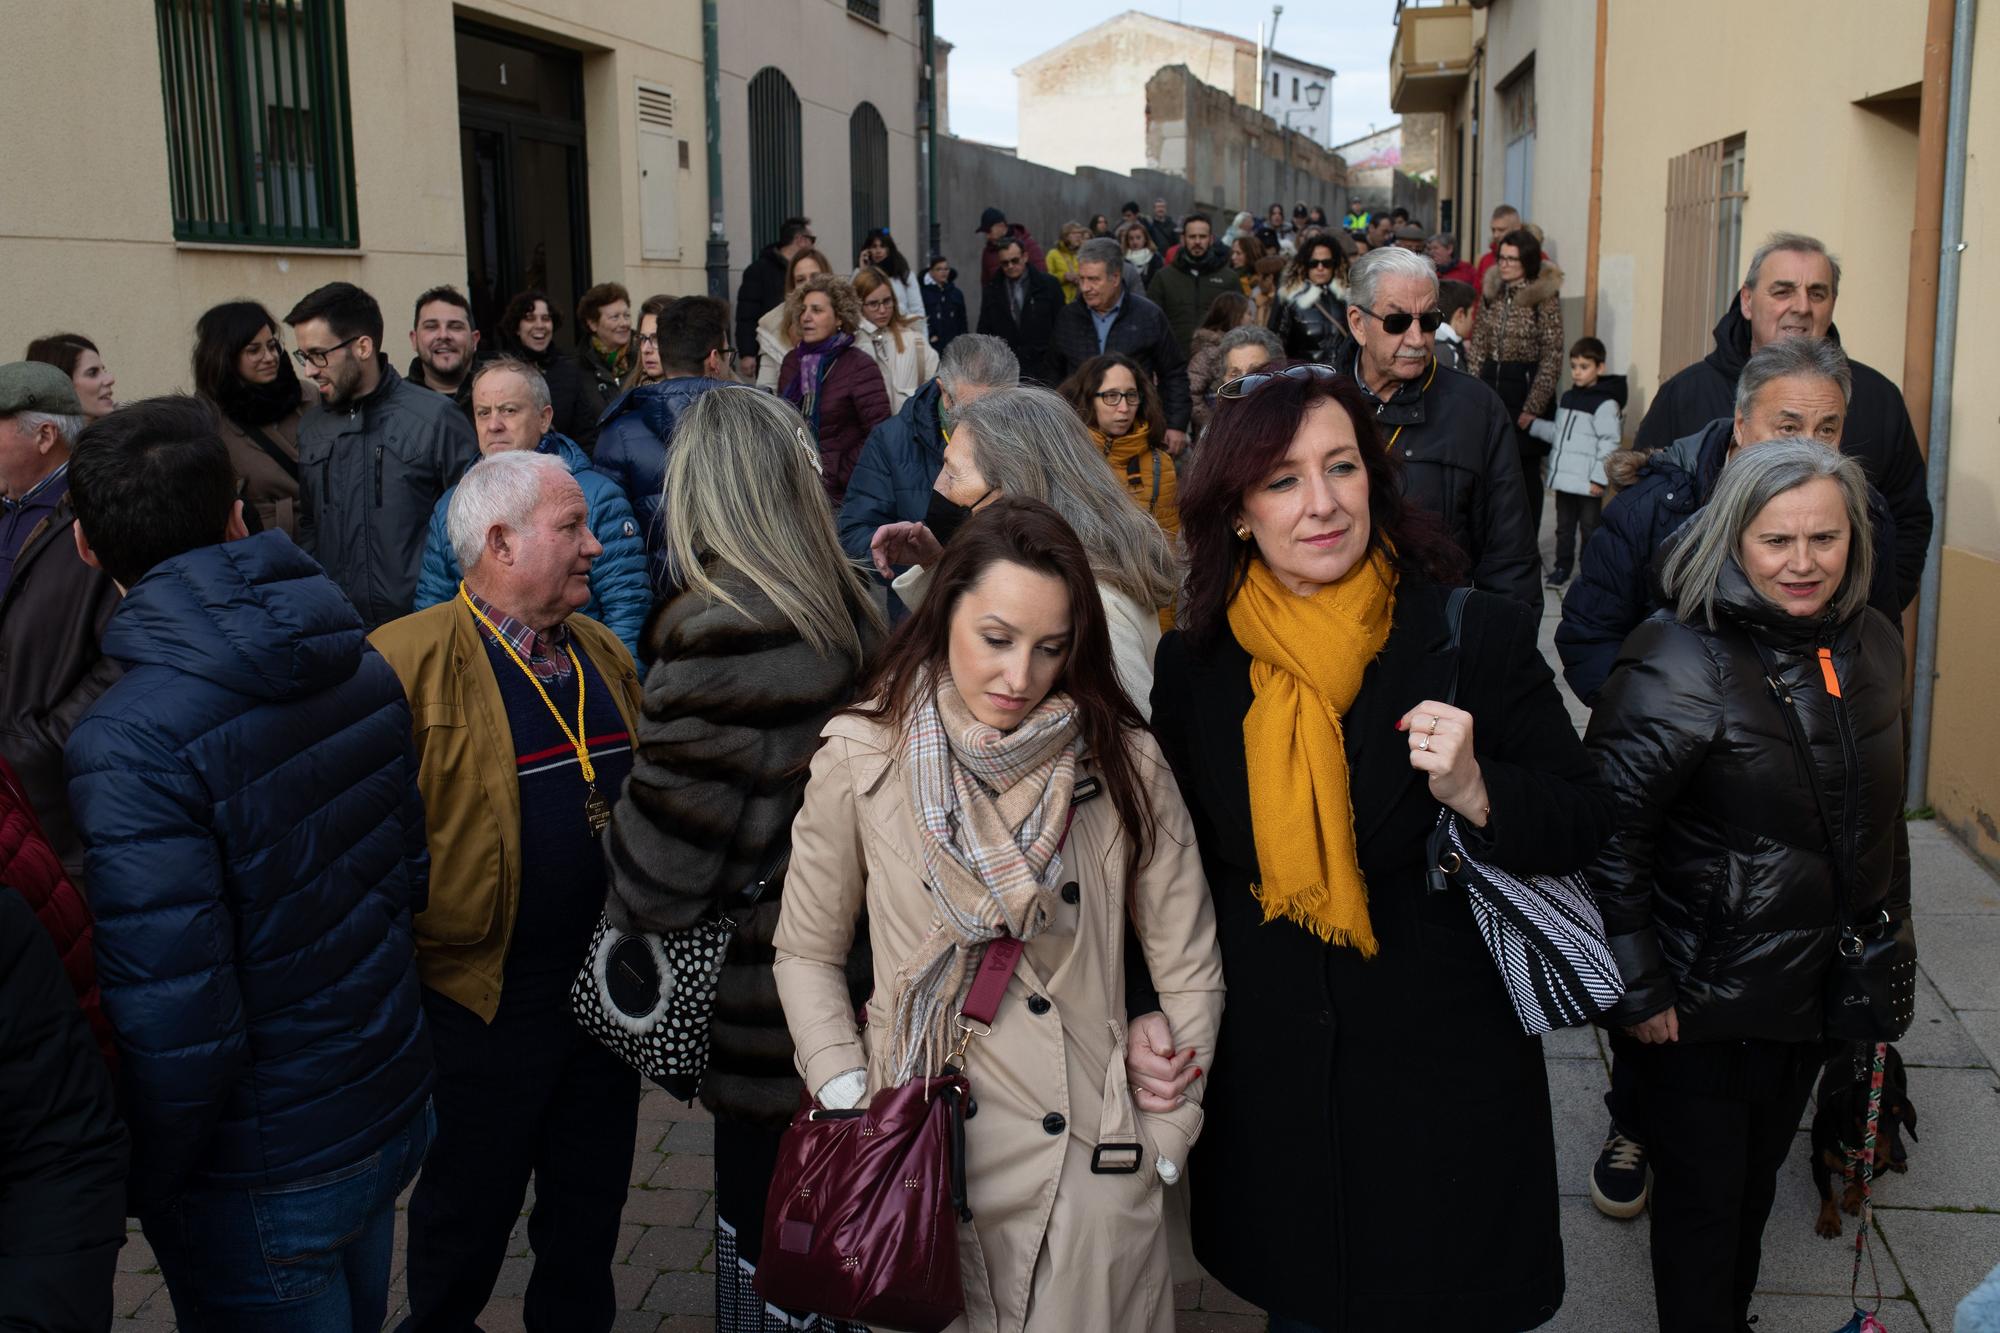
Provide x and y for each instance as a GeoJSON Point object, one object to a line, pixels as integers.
{"type": "Point", "coordinates": [1587, 429]}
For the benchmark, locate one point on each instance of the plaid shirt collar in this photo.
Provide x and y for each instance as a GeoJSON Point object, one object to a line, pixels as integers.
{"type": "Point", "coordinates": [56, 480]}
{"type": "Point", "coordinates": [547, 655]}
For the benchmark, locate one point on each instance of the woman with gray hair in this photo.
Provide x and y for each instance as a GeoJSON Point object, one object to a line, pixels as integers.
{"type": "Point", "coordinates": [1751, 734]}
{"type": "Point", "coordinates": [1029, 443]}
{"type": "Point", "coordinates": [765, 640]}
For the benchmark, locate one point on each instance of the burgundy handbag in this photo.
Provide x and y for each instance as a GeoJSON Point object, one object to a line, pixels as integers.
{"type": "Point", "coordinates": [862, 1219]}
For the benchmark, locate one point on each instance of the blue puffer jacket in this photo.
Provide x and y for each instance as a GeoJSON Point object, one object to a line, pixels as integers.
{"type": "Point", "coordinates": [899, 466]}
{"type": "Point", "coordinates": [1615, 586]}
{"type": "Point", "coordinates": [248, 795]}
{"type": "Point", "coordinates": [633, 437]}
{"type": "Point", "coordinates": [620, 597]}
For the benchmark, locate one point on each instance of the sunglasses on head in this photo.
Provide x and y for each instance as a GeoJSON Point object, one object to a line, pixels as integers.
{"type": "Point", "coordinates": [1245, 385]}
{"type": "Point", "coordinates": [1399, 321]}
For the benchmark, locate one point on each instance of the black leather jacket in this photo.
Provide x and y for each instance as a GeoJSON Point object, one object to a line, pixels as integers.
{"type": "Point", "coordinates": [1721, 889]}
{"type": "Point", "coordinates": [1310, 321]}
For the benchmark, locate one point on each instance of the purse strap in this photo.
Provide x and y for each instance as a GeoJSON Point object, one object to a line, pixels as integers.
{"type": "Point", "coordinates": [1436, 877]}
{"type": "Point", "coordinates": [1454, 620]}
{"type": "Point", "coordinates": [996, 968]}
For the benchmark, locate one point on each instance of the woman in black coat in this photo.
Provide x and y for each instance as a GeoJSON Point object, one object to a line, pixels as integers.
{"type": "Point", "coordinates": [1724, 890]}
{"type": "Point", "coordinates": [764, 643]}
{"type": "Point", "coordinates": [528, 330]}
{"type": "Point", "coordinates": [1310, 312]}
{"type": "Point", "coordinates": [1377, 1151]}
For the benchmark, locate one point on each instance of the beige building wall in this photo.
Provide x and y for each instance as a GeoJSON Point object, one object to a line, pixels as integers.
{"type": "Point", "coordinates": [1964, 773]}
{"type": "Point", "coordinates": [834, 60]}
{"type": "Point", "coordinates": [86, 227]}
{"type": "Point", "coordinates": [1557, 38]}
{"type": "Point", "coordinates": [1816, 159]}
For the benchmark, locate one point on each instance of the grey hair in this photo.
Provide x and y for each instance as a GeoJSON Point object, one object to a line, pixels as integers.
{"type": "Point", "coordinates": [1102, 250]}
{"type": "Point", "coordinates": [1797, 355]}
{"type": "Point", "coordinates": [1365, 274]}
{"type": "Point", "coordinates": [1757, 475]}
{"type": "Point", "coordinates": [1030, 443]}
{"type": "Point", "coordinates": [1795, 243]}
{"type": "Point", "coordinates": [538, 385]}
{"type": "Point", "coordinates": [1448, 241]}
{"type": "Point", "coordinates": [981, 359]}
{"type": "Point", "coordinates": [1250, 335]}
{"type": "Point", "coordinates": [743, 493]}
{"type": "Point", "coordinates": [68, 427]}
{"type": "Point", "coordinates": [499, 491]}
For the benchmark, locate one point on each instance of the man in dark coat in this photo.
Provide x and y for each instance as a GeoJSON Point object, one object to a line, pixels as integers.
{"type": "Point", "coordinates": [899, 464]}
{"type": "Point", "coordinates": [374, 456]}
{"type": "Point", "coordinates": [1455, 437]}
{"type": "Point", "coordinates": [763, 287]}
{"type": "Point", "coordinates": [62, 1176]}
{"type": "Point", "coordinates": [248, 793]}
{"type": "Point", "coordinates": [1019, 306]}
{"type": "Point", "coordinates": [636, 435]}
{"type": "Point", "coordinates": [1107, 318]}
{"type": "Point", "coordinates": [1790, 289]}
{"type": "Point", "coordinates": [1795, 387]}
{"type": "Point", "coordinates": [53, 607]}
{"type": "Point", "coordinates": [1185, 289]}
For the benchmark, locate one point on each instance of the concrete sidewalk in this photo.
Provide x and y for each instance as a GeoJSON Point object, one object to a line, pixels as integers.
{"type": "Point", "coordinates": [1939, 1225]}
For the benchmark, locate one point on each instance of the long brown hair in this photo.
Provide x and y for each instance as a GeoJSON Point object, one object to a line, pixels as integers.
{"type": "Point", "coordinates": [1246, 439]}
{"type": "Point", "coordinates": [869, 280]}
{"type": "Point", "coordinates": [1033, 535]}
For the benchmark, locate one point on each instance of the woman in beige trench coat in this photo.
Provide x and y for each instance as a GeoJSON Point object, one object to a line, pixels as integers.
{"type": "Point", "coordinates": [1012, 625]}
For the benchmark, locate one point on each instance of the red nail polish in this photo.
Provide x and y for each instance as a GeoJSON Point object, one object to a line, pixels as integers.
{"type": "Point", "coordinates": [1197, 1071]}
{"type": "Point", "coordinates": [1401, 725]}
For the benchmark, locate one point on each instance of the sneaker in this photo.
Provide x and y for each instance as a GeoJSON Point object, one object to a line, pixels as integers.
{"type": "Point", "coordinates": [1618, 1179]}
{"type": "Point", "coordinates": [1557, 577]}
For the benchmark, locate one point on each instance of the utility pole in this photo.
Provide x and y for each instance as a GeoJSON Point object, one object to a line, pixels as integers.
{"type": "Point", "coordinates": [927, 122]}
{"type": "Point", "coordinates": [711, 81]}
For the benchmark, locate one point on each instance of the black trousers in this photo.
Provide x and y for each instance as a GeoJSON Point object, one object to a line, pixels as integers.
{"type": "Point", "coordinates": [1715, 1144]}
{"type": "Point", "coordinates": [530, 1094]}
{"type": "Point", "coordinates": [1576, 519]}
{"type": "Point", "coordinates": [1513, 380]}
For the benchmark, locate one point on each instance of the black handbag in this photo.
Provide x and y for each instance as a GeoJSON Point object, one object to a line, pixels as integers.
{"type": "Point", "coordinates": [1545, 932]}
{"type": "Point", "coordinates": [1871, 989]}
{"type": "Point", "coordinates": [649, 998]}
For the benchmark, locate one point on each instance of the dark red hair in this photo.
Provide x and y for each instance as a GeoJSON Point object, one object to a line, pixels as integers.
{"type": "Point", "coordinates": [1033, 535]}
{"type": "Point", "coordinates": [1246, 440]}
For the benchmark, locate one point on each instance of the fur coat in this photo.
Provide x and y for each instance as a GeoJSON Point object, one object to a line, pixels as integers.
{"type": "Point", "coordinates": [734, 705]}
{"type": "Point", "coordinates": [1520, 324]}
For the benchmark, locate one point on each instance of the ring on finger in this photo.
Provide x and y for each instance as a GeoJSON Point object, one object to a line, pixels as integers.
{"type": "Point", "coordinates": [1423, 742]}
{"type": "Point", "coordinates": [1434, 724]}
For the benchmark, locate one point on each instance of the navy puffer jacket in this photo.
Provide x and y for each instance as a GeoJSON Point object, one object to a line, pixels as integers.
{"type": "Point", "coordinates": [1615, 581]}
{"type": "Point", "coordinates": [633, 438]}
{"type": "Point", "coordinates": [248, 796]}
{"type": "Point", "coordinates": [898, 469]}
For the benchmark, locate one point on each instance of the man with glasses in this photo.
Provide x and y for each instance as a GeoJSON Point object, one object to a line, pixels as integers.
{"type": "Point", "coordinates": [763, 287]}
{"type": "Point", "coordinates": [634, 438]}
{"type": "Point", "coordinates": [1450, 432]}
{"type": "Point", "coordinates": [1107, 318]}
{"type": "Point", "coordinates": [445, 343]}
{"type": "Point", "coordinates": [374, 456]}
{"type": "Point", "coordinates": [1019, 305]}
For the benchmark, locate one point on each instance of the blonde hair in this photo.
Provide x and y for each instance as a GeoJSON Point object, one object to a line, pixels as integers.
{"type": "Point", "coordinates": [743, 490]}
{"type": "Point", "coordinates": [846, 305]}
{"type": "Point", "coordinates": [871, 280]}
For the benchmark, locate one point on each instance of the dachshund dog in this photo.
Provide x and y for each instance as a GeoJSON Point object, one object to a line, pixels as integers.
{"type": "Point", "coordinates": [1840, 1128]}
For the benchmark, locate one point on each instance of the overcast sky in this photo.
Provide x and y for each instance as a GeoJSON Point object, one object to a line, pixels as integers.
{"type": "Point", "coordinates": [989, 40]}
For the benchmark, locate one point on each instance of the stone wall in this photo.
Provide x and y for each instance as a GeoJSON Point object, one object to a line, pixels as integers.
{"type": "Point", "coordinates": [1231, 152]}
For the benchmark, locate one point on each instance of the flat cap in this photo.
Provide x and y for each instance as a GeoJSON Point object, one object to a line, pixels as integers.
{"type": "Point", "coordinates": [1409, 231]}
{"type": "Point", "coordinates": [36, 386]}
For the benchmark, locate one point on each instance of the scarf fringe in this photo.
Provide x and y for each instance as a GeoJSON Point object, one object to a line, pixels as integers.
{"type": "Point", "coordinates": [1314, 908]}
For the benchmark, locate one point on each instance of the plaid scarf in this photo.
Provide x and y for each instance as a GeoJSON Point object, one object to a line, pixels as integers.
{"type": "Point", "coordinates": [990, 805]}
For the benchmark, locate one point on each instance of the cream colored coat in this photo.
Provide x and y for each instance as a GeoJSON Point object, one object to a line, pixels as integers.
{"type": "Point", "coordinates": [1053, 1247]}
{"type": "Point", "coordinates": [904, 371]}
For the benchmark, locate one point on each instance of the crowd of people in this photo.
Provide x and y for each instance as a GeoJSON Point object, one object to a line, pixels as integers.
{"type": "Point", "coordinates": [349, 720]}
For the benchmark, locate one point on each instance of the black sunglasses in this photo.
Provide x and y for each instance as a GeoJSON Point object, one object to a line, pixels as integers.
{"type": "Point", "coordinates": [1398, 321]}
{"type": "Point", "coordinates": [1245, 385]}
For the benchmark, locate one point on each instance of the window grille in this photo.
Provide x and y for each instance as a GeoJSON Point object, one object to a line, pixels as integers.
{"type": "Point", "coordinates": [1702, 265]}
{"type": "Point", "coordinates": [867, 9]}
{"type": "Point", "coordinates": [777, 180]}
{"type": "Point", "coordinates": [868, 168]}
{"type": "Point", "coordinates": [258, 132]}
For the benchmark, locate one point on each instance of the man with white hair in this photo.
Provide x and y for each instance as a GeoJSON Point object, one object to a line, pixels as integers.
{"type": "Point", "coordinates": [1450, 432]}
{"type": "Point", "coordinates": [523, 714]}
{"type": "Point", "coordinates": [53, 606]}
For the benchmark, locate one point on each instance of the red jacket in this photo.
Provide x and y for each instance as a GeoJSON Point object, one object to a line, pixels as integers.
{"type": "Point", "coordinates": [1031, 250]}
{"type": "Point", "coordinates": [30, 867]}
{"type": "Point", "coordinates": [1462, 272]}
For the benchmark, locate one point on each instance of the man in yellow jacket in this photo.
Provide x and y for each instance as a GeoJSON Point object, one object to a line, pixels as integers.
{"type": "Point", "coordinates": [523, 714]}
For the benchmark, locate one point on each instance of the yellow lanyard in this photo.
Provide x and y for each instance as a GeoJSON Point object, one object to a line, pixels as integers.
{"type": "Point", "coordinates": [575, 738]}
{"type": "Point", "coordinates": [1426, 389]}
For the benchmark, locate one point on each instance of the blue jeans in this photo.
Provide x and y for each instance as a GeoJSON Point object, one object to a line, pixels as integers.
{"type": "Point", "coordinates": [307, 1256]}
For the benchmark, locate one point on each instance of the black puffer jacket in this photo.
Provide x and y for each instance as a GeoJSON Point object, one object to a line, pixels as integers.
{"type": "Point", "coordinates": [1310, 321]}
{"type": "Point", "coordinates": [734, 705]}
{"type": "Point", "coordinates": [1720, 889]}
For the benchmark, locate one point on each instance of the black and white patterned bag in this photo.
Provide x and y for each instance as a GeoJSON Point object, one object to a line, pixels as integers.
{"type": "Point", "coordinates": [649, 998]}
{"type": "Point", "coordinates": [1544, 931]}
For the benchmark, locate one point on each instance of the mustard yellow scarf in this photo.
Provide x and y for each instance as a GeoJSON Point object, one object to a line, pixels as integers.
{"type": "Point", "coordinates": [1307, 659]}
